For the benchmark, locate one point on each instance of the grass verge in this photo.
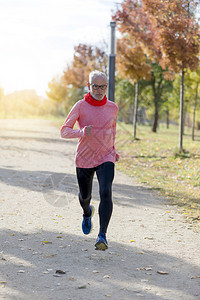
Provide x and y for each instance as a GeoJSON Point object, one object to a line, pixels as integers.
{"type": "Point", "coordinates": [153, 160]}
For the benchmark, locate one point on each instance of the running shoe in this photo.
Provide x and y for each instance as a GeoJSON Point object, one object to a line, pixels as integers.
{"type": "Point", "coordinates": [101, 242]}
{"type": "Point", "coordinates": [87, 222]}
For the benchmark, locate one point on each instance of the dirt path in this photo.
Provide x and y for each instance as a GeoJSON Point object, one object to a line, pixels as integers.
{"type": "Point", "coordinates": [153, 253]}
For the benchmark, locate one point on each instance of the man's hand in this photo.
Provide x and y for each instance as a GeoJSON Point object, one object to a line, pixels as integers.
{"type": "Point", "coordinates": [88, 130]}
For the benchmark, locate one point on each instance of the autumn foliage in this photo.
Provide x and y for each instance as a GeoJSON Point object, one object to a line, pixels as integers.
{"type": "Point", "coordinates": [134, 21]}
{"type": "Point", "coordinates": [178, 32]}
{"type": "Point", "coordinates": [132, 63]}
{"type": "Point", "coordinates": [167, 32]}
{"type": "Point", "coordinates": [86, 59]}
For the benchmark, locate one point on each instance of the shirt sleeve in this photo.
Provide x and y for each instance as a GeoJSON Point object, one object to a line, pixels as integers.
{"type": "Point", "coordinates": [114, 125]}
{"type": "Point", "coordinates": [114, 133]}
{"type": "Point", "coordinates": [67, 130]}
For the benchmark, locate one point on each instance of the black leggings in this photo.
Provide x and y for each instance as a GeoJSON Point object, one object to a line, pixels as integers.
{"type": "Point", "coordinates": [105, 175]}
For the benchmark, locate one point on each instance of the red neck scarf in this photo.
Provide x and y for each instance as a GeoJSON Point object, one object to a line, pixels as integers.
{"type": "Point", "coordinates": [93, 101]}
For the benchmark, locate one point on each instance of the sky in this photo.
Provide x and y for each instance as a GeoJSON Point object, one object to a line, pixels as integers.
{"type": "Point", "coordinates": [37, 38]}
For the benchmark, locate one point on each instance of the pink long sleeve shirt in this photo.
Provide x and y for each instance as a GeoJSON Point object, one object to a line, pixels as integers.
{"type": "Point", "coordinates": [98, 147]}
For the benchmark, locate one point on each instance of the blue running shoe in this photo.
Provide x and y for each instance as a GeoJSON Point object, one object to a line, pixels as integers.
{"type": "Point", "coordinates": [87, 222]}
{"type": "Point", "coordinates": [101, 242]}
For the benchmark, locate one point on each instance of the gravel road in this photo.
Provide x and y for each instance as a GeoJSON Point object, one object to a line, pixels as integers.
{"type": "Point", "coordinates": [153, 253]}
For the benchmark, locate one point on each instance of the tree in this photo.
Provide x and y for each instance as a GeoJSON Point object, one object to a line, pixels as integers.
{"type": "Point", "coordinates": [178, 31]}
{"type": "Point", "coordinates": [157, 91]}
{"type": "Point", "coordinates": [86, 59]}
{"type": "Point", "coordinates": [133, 64]}
{"type": "Point", "coordinates": [192, 89]}
{"type": "Point", "coordinates": [124, 95]}
{"type": "Point", "coordinates": [64, 90]}
{"type": "Point", "coordinates": [21, 103]}
{"type": "Point", "coordinates": [57, 90]}
{"type": "Point", "coordinates": [133, 21]}
{"type": "Point", "coordinates": [195, 77]}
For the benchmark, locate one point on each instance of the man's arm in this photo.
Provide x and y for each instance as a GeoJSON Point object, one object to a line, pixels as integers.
{"type": "Point", "coordinates": [114, 134]}
{"type": "Point", "coordinates": [67, 130]}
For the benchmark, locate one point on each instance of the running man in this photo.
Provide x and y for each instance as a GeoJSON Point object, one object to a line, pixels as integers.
{"type": "Point", "coordinates": [96, 119]}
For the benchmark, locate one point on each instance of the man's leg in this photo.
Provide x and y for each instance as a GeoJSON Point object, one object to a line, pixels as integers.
{"type": "Point", "coordinates": [85, 179]}
{"type": "Point", "coordinates": [105, 176]}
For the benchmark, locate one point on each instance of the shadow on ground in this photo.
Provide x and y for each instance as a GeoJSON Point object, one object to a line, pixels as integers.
{"type": "Point", "coordinates": [28, 268]}
{"type": "Point", "coordinates": [59, 187]}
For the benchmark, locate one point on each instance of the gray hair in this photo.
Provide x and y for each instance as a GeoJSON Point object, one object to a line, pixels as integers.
{"type": "Point", "coordinates": [96, 73]}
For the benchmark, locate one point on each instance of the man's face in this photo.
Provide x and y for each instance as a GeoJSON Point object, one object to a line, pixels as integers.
{"type": "Point", "coordinates": [98, 87]}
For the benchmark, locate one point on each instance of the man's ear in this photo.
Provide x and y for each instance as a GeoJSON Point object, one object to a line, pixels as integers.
{"type": "Point", "coordinates": [88, 85]}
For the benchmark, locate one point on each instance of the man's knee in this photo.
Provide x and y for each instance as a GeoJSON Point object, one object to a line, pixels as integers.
{"type": "Point", "coordinates": [84, 197]}
{"type": "Point", "coordinates": [105, 194]}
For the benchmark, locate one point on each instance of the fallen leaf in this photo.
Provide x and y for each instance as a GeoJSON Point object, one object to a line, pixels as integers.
{"type": "Point", "coordinates": [131, 241]}
{"type": "Point", "coordinates": [194, 277]}
{"type": "Point", "coordinates": [106, 276]}
{"type": "Point", "coordinates": [59, 237]}
{"type": "Point", "coordinates": [82, 286]}
{"type": "Point", "coordinates": [95, 271]}
{"type": "Point", "coordinates": [60, 272]}
{"type": "Point", "coordinates": [51, 255]}
{"type": "Point", "coordinates": [71, 278]}
{"type": "Point", "coordinates": [46, 242]}
{"type": "Point", "coordinates": [21, 271]}
{"type": "Point", "coordinates": [162, 272]}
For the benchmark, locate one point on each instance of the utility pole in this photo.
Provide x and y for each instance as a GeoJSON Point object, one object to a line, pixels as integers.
{"type": "Point", "coordinates": [111, 82]}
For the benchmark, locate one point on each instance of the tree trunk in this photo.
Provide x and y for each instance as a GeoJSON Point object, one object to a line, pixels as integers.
{"type": "Point", "coordinates": [155, 123]}
{"type": "Point", "coordinates": [181, 122]}
{"type": "Point", "coordinates": [157, 95]}
{"type": "Point", "coordinates": [167, 119]}
{"type": "Point", "coordinates": [194, 112]}
{"type": "Point", "coordinates": [135, 109]}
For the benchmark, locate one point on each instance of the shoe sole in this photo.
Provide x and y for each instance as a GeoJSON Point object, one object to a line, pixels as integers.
{"type": "Point", "coordinates": [101, 246]}
{"type": "Point", "coordinates": [93, 209]}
